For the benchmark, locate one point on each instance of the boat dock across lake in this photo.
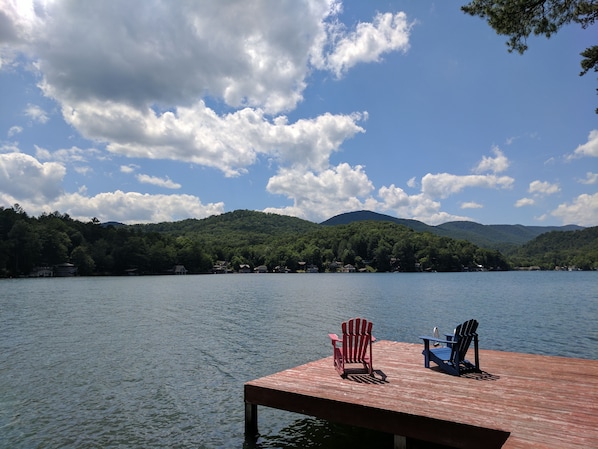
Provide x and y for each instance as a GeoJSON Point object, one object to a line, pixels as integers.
{"type": "Point", "coordinates": [518, 401]}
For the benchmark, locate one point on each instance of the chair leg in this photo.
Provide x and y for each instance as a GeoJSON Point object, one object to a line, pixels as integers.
{"type": "Point", "coordinates": [426, 353]}
{"type": "Point", "coordinates": [476, 353]}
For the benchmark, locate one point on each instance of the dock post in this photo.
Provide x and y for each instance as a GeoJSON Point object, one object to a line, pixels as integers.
{"type": "Point", "coordinates": [400, 442]}
{"type": "Point", "coordinates": [250, 420]}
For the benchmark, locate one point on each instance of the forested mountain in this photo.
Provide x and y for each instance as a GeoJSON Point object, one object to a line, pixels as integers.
{"type": "Point", "coordinates": [502, 237]}
{"type": "Point", "coordinates": [249, 239]}
{"type": "Point", "coordinates": [569, 249]}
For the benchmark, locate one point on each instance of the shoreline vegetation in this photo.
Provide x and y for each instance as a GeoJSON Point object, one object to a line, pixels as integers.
{"type": "Point", "coordinates": [246, 241]}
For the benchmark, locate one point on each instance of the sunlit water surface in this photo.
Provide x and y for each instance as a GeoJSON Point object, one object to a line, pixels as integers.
{"type": "Point", "coordinates": [160, 362]}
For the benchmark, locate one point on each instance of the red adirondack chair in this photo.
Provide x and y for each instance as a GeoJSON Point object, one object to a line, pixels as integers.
{"type": "Point", "coordinates": [355, 347]}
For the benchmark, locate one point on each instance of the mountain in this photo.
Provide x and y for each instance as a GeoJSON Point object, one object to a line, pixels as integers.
{"type": "Point", "coordinates": [260, 225]}
{"type": "Point", "coordinates": [501, 237]}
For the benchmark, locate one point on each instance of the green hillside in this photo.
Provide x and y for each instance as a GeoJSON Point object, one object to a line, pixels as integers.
{"type": "Point", "coordinates": [250, 239]}
{"type": "Point", "coordinates": [501, 237]}
{"type": "Point", "coordinates": [568, 249]}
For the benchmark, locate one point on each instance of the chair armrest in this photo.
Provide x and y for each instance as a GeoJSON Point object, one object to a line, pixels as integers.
{"type": "Point", "coordinates": [334, 337]}
{"type": "Point", "coordinates": [439, 340]}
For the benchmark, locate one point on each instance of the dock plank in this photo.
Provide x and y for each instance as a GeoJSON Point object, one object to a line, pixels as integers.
{"type": "Point", "coordinates": [520, 401]}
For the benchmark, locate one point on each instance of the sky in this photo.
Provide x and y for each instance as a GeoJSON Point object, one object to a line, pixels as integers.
{"type": "Point", "coordinates": [145, 111]}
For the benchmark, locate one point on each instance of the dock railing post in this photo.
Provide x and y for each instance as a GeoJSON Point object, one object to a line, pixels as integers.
{"type": "Point", "coordinates": [400, 442]}
{"type": "Point", "coordinates": [250, 420]}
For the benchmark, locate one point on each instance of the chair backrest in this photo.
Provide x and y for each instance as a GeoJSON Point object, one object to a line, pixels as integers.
{"type": "Point", "coordinates": [357, 338]}
{"type": "Point", "coordinates": [464, 333]}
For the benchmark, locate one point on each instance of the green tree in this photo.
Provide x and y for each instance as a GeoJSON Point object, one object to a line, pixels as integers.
{"type": "Point", "coordinates": [83, 260]}
{"type": "Point", "coordinates": [517, 19]}
{"type": "Point", "coordinates": [24, 246]}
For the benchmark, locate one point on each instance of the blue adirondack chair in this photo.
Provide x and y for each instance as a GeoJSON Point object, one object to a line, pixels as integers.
{"type": "Point", "coordinates": [355, 347]}
{"type": "Point", "coordinates": [451, 357]}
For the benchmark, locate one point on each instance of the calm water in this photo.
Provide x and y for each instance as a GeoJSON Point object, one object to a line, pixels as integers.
{"type": "Point", "coordinates": [161, 361]}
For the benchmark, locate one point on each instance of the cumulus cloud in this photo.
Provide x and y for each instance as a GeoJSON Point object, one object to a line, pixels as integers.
{"type": "Point", "coordinates": [128, 168]}
{"type": "Point", "coordinates": [443, 185]}
{"type": "Point", "coordinates": [418, 207]}
{"type": "Point", "coordinates": [590, 148]}
{"type": "Point", "coordinates": [37, 187]}
{"type": "Point", "coordinates": [24, 178]}
{"type": "Point", "coordinates": [36, 114]}
{"type": "Point", "coordinates": [160, 182]}
{"type": "Point", "coordinates": [135, 77]}
{"type": "Point", "coordinates": [388, 32]}
{"type": "Point", "coordinates": [525, 202]}
{"type": "Point", "coordinates": [257, 54]}
{"type": "Point", "coordinates": [582, 211]}
{"type": "Point", "coordinates": [197, 134]}
{"type": "Point", "coordinates": [14, 130]}
{"type": "Point", "coordinates": [172, 53]}
{"type": "Point", "coordinates": [321, 195]}
{"type": "Point", "coordinates": [471, 205]}
{"type": "Point", "coordinates": [496, 164]}
{"type": "Point", "coordinates": [67, 155]}
{"type": "Point", "coordinates": [134, 207]}
{"type": "Point", "coordinates": [591, 178]}
{"type": "Point", "coordinates": [543, 188]}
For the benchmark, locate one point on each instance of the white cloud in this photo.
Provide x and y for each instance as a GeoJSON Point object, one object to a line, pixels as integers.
{"type": "Point", "coordinates": [14, 130]}
{"type": "Point", "coordinates": [160, 182]}
{"type": "Point", "coordinates": [525, 202]}
{"type": "Point", "coordinates": [471, 205]}
{"type": "Point", "coordinates": [254, 54]}
{"type": "Point", "coordinates": [249, 54]}
{"type": "Point", "coordinates": [17, 21]}
{"type": "Point", "coordinates": [543, 188]}
{"type": "Point", "coordinates": [367, 43]}
{"type": "Point", "coordinates": [590, 148]}
{"type": "Point", "coordinates": [197, 134]}
{"type": "Point", "coordinates": [37, 187]}
{"type": "Point", "coordinates": [36, 114]}
{"type": "Point", "coordinates": [132, 76]}
{"type": "Point", "coordinates": [591, 178]}
{"type": "Point", "coordinates": [128, 168]}
{"type": "Point", "coordinates": [582, 211]}
{"type": "Point", "coordinates": [418, 207]}
{"type": "Point", "coordinates": [134, 207]}
{"type": "Point", "coordinates": [497, 164]}
{"type": "Point", "coordinates": [318, 196]}
{"type": "Point", "coordinates": [67, 155]}
{"type": "Point", "coordinates": [24, 178]}
{"type": "Point", "coordinates": [443, 185]}
{"type": "Point", "coordinates": [412, 182]}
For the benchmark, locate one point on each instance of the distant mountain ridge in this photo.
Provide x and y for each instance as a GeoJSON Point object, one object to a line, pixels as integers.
{"type": "Point", "coordinates": [501, 237]}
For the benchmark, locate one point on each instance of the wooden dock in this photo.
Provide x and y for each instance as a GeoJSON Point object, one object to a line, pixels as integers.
{"type": "Point", "coordinates": [518, 401]}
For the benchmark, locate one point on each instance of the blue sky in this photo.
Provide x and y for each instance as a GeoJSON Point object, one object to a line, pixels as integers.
{"type": "Point", "coordinates": [147, 111]}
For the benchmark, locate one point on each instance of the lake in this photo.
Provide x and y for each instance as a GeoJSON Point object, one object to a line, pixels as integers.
{"type": "Point", "coordinates": [160, 362]}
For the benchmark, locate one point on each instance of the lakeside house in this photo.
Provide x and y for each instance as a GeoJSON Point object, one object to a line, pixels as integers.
{"type": "Point", "coordinates": [179, 269]}
{"type": "Point", "coordinates": [41, 272]}
{"type": "Point", "coordinates": [348, 268]}
{"type": "Point", "coordinates": [220, 267]}
{"type": "Point", "coordinates": [65, 270]}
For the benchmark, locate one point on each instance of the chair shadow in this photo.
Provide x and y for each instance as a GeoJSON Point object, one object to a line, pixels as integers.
{"type": "Point", "coordinates": [378, 378]}
{"type": "Point", "coordinates": [480, 375]}
{"type": "Point", "coordinates": [475, 375]}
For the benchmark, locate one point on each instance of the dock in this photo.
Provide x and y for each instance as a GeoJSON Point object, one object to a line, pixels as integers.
{"type": "Point", "coordinates": [518, 401]}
